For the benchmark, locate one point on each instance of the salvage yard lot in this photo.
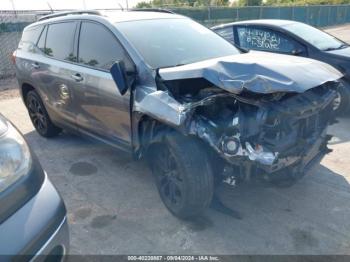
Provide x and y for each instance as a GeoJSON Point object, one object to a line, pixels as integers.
{"type": "Point", "coordinates": [114, 207]}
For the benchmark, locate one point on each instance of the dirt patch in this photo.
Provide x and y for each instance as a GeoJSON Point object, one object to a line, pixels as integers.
{"type": "Point", "coordinates": [303, 239]}
{"type": "Point", "coordinates": [8, 94]}
{"type": "Point", "coordinates": [83, 169]}
{"type": "Point", "coordinates": [82, 213]}
{"type": "Point", "coordinates": [200, 224]}
{"type": "Point", "coordinates": [102, 221]}
{"type": "Point", "coordinates": [8, 88]}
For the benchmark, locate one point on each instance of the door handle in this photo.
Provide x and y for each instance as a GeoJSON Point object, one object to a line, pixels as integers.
{"type": "Point", "coordinates": [77, 77]}
{"type": "Point", "coordinates": [35, 65]}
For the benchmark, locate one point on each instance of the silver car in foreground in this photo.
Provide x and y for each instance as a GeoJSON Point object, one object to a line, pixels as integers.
{"type": "Point", "coordinates": [161, 86]}
{"type": "Point", "coordinates": [33, 222]}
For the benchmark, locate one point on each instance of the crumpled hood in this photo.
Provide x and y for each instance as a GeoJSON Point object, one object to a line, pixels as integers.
{"type": "Point", "coordinates": [258, 72]}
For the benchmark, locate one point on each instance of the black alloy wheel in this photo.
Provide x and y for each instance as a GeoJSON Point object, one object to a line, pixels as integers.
{"type": "Point", "coordinates": [39, 116]}
{"type": "Point", "coordinates": [168, 178]}
{"type": "Point", "coordinates": [36, 114]}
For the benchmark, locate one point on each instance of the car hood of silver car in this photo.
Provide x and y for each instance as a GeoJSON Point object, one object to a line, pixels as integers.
{"type": "Point", "coordinates": [258, 72]}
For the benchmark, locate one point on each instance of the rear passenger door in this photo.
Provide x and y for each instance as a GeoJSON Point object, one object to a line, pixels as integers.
{"type": "Point", "coordinates": [101, 110]}
{"type": "Point", "coordinates": [54, 69]}
{"type": "Point", "coordinates": [265, 39]}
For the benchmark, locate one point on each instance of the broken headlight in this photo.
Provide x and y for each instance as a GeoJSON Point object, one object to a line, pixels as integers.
{"type": "Point", "coordinates": [15, 157]}
{"type": "Point", "coordinates": [258, 154]}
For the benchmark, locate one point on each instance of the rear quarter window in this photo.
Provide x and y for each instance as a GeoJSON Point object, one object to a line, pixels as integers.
{"type": "Point", "coordinates": [31, 34]}
{"type": "Point", "coordinates": [29, 38]}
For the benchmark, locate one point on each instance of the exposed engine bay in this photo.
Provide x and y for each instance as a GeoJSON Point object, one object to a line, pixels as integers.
{"type": "Point", "coordinates": [254, 135]}
{"type": "Point", "coordinates": [253, 131]}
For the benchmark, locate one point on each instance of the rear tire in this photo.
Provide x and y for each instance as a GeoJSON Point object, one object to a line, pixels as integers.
{"type": "Point", "coordinates": [183, 175]}
{"type": "Point", "coordinates": [39, 116]}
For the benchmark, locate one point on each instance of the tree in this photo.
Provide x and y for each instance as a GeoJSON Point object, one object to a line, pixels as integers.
{"type": "Point", "coordinates": [182, 3]}
{"type": "Point", "coordinates": [304, 2]}
{"type": "Point", "coordinates": [144, 4]}
{"type": "Point", "coordinates": [250, 2]}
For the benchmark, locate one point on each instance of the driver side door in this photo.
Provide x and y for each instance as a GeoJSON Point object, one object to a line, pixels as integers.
{"type": "Point", "coordinates": [102, 112]}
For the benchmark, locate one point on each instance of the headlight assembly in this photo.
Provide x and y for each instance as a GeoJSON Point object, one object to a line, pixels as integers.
{"type": "Point", "coordinates": [15, 157]}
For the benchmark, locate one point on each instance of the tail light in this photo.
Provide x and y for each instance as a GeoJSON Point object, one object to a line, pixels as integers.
{"type": "Point", "coordinates": [13, 57]}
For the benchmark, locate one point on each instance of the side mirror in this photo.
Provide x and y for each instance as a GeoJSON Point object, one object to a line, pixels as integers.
{"type": "Point", "coordinates": [118, 73]}
{"type": "Point", "coordinates": [297, 51]}
{"type": "Point", "coordinates": [242, 49]}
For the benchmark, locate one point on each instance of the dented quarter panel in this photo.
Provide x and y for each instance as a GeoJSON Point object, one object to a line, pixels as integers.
{"type": "Point", "coordinates": [257, 72]}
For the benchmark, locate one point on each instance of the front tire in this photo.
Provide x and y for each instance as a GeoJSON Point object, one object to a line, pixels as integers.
{"type": "Point", "coordinates": [39, 116]}
{"type": "Point", "coordinates": [183, 175]}
{"type": "Point", "coordinates": [341, 104]}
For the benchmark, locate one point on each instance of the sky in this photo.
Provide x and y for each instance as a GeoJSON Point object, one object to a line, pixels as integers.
{"type": "Point", "coordinates": [64, 4]}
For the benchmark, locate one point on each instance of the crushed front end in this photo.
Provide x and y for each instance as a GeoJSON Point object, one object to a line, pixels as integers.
{"type": "Point", "coordinates": [263, 120]}
{"type": "Point", "coordinates": [270, 137]}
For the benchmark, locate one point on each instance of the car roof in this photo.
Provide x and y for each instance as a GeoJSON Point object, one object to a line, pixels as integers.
{"type": "Point", "coordinates": [268, 22]}
{"type": "Point", "coordinates": [112, 16]}
{"type": "Point", "coordinates": [124, 16]}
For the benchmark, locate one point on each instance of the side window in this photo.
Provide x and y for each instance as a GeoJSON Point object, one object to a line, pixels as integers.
{"type": "Point", "coordinates": [99, 48]}
{"type": "Point", "coordinates": [41, 42]}
{"type": "Point", "coordinates": [31, 35]}
{"type": "Point", "coordinates": [264, 40]}
{"type": "Point", "coordinates": [226, 33]}
{"type": "Point", "coordinates": [60, 41]}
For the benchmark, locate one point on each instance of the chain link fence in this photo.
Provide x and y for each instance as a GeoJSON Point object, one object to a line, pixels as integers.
{"type": "Point", "coordinates": [12, 23]}
{"type": "Point", "coordinates": [11, 26]}
{"type": "Point", "coordinates": [317, 15]}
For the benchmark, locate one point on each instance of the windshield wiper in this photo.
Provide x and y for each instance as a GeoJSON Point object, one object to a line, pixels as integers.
{"type": "Point", "coordinates": [336, 48]}
{"type": "Point", "coordinates": [171, 66]}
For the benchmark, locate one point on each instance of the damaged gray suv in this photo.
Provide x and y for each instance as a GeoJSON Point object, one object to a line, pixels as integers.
{"type": "Point", "coordinates": [163, 87]}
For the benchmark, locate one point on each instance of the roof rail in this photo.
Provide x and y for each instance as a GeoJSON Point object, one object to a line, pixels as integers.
{"type": "Point", "coordinates": [76, 12]}
{"type": "Point", "coordinates": [160, 10]}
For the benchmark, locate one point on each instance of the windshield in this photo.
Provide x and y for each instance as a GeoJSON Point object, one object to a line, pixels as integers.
{"type": "Point", "coordinates": [172, 42]}
{"type": "Point", "coordinates": [315, 37]}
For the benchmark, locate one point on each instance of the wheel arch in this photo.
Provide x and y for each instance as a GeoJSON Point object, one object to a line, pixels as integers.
{"type": "Point", "coordinates": [146, 132]}
{"type": "Point", "coordinates": [25, 88]}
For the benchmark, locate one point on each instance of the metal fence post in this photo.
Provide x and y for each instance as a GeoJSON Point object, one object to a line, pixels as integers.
{"type": "Point", "coordinates": [260, 12]}
{"type": "Point", "coordinates": [209, 16]}
{"type": "Point", "coordinates": [279, 12]}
